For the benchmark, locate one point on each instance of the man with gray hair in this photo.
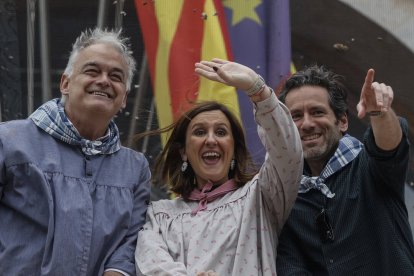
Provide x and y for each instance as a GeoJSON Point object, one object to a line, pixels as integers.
{"type": "Point", "coordinates": [72, 199]}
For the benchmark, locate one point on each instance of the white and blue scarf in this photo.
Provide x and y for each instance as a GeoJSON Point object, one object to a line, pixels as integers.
{"type": "Point", "coordinates": [51, 118]}
{"type": "Point", "coordinates": [348, 149]}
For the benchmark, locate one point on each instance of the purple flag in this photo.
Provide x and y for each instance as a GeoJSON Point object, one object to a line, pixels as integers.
{"type": "Point", "coordinates": [260, 39]}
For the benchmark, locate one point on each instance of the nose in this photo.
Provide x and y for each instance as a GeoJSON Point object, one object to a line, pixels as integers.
{"type": "Point", "coordinates": [211, 139]}
{"type": "Point", "coordinates": [103, 80]}
{"type": "Point", "coordinates": [307, 122]}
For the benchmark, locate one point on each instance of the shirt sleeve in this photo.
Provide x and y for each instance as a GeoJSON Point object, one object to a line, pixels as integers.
{"type": "Point", "coordinates": [117, 270]}
{"type": "Point", "coordinates": [389, 167]}
{"type": "Point", "coordinates": [280, 173]}
{"type": "Point", "coordinates": [151, 255]}
{"type": "Point", "coordinates": [123, 257]}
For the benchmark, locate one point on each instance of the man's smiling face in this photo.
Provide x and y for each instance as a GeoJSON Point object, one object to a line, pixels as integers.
{"type": "Point", "coordinates": [319, 129]}
{"type": "Point", "coordinates": [97, 84]}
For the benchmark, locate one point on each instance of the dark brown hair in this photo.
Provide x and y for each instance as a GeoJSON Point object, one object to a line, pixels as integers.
{"type": "Point", "coordinates": [320, 76]}
{"type": "Point", "coordinates": [168, 164]}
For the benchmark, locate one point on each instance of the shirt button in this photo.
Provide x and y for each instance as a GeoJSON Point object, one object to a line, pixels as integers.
{"type": "Point", "coordinates": [89, 173]}
{"type": "Point", "coordinates": [331, 261]}
{"type": "Point", "coordinates": [88, 157]}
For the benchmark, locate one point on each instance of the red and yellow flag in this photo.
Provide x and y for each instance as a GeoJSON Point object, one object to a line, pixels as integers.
{"type": "Point", "coordinates": [179, 33]}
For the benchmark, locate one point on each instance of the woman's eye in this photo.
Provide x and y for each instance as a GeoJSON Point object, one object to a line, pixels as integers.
{"type": "Point", "coordinates": [198, 132]}
{"type": "Point", "coordinates": [221, 132]}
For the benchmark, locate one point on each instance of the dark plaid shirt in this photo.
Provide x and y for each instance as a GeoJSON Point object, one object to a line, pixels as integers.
{"type": "Point", "coordinates": [371, 233]}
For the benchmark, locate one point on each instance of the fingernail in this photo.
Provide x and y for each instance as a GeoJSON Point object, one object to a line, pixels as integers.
{"type": "Point", "coordinates": [215, 68]}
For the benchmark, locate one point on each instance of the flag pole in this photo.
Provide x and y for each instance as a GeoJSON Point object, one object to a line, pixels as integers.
{"type": "Point", "coordinates": [141, 88]}
{"type": "Point", "coordinates": [102, 14]}
{"type": "Point", "coordinates": [119, 13]}
{"type": "Point", "coordinates": [148, 127]}
{"type": "Point", "coordinates": [31, 15]}
{"type": "Point", "coordinates": [44, 51]}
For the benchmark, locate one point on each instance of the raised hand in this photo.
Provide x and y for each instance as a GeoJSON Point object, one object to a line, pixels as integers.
{"type": "Point", "coordinates": [375, 97]}
{"type": "Point", "coordinates": [229, 73]}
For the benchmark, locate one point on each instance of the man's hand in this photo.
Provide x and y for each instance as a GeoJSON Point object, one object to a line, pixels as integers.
{"type": "Point", "coordinates": [375, 97]}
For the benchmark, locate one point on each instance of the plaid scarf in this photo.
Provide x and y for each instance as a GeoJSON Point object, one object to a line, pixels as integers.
{"type": "Point", "coordinates": [51, 118]}
{"type": "Point", "coordinates": [349, 148]}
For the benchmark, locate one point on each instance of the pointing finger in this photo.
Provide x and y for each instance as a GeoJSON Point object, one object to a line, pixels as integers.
{"type": "Point", "coordinates": [369, 79]}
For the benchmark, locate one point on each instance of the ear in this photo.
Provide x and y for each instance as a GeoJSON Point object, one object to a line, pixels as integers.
{"type": "Point", "coordinates": [183, 155]}
{"type": "Point", "coordinates": [124, 101]}
{"type": "Point", "coordinates": [64, 85]}
{"type": "Point", "coordinates": [343, 123]}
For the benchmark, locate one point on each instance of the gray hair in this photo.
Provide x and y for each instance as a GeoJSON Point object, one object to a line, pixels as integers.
{"type": "Point", "coordinates": [98, 36]}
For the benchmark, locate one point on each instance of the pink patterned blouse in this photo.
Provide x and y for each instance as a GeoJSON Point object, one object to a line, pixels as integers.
{"type": "Point", "coordinates": [238, 233]}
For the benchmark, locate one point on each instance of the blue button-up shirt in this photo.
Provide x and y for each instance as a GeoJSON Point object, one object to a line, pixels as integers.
{"type": "Point", "coordinates": [64, 213]}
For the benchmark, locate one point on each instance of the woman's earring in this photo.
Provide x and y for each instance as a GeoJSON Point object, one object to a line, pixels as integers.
{"type": "Point", "coordinates": [184, 166]}
{"type": "Point", "coordinates": [232, 164]}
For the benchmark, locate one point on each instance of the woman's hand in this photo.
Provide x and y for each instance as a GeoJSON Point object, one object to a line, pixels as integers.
{"type": "Point", "coordinates": [227, 72]}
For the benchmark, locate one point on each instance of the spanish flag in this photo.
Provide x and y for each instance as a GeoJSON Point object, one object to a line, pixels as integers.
{"type": "Point", "coordinates": [179, 33]}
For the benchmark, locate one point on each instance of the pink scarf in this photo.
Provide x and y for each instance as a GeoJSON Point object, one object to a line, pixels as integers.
{"type": "Point", "coordinates": [205, 195]}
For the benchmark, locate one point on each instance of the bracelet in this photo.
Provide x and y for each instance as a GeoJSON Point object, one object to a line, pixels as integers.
{"type": "Point", "coordinates": [375, 113]}
{"type": "Point", "coordinates": [260, 91]}
{"type": "Point", "coordinates": [258, 85]}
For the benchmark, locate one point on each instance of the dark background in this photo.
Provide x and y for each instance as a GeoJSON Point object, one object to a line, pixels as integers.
{"type": "Point", "coordinates": [317, 27]}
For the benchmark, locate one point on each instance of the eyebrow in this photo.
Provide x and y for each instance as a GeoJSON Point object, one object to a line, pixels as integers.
{"type": "Point", "coordinates": [204, 123]}
{"type": "Point", "coordinates": [316, 106]}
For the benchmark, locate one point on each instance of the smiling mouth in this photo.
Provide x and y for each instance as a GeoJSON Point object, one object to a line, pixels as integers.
{"type": "Point", "coordinates": [211, 156]}
{"type": "Point", "coordinates": [310, 137]}
{"type": "Point", "coordinates": [101, 93]}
